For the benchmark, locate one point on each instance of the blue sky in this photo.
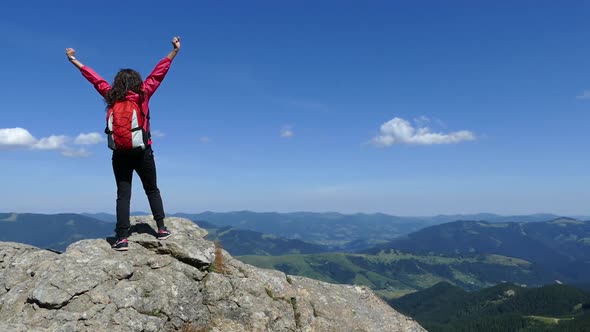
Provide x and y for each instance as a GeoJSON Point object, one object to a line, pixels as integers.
{"type": "Point", "coordinates": [401, 107]}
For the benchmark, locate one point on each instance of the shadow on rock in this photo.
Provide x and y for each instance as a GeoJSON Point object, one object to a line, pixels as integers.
{"type": "Point", "coordinates": [139, 228]}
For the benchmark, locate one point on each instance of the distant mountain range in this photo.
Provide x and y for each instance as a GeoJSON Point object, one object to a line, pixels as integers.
{"type": "Point", "coordinates": [504, 307]}
{"type": "Point", "coordinates": [107, 217]}
{"type": "Point", "coordinates": [246, 242]}
{"type": "Point", "coordinates": [55, 231]}
{"type": "Point", "coordinates": [336, 229]}
{"type": "Point", "coordinates": [343, 232]}
{"type": "Point", "coordinates": [560, 247]}
{"type": "Point", "coordinates": [470, 254]}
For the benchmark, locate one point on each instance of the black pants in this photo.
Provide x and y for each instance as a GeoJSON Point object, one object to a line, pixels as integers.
{"type": "Point", "coordinates": [142, 162]}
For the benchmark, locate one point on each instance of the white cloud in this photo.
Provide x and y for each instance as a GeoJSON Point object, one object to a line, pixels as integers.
{"type": "Point", "coordinates": [205, 139]}
{"type": "Point", "coordinates": [287, 132]}
{"type": "Point", "coordinates": [584, 95]}
{"type": "Point", "coordinates": [75, 153]}
{"type": "Point", "coordinates": [400, 131]}
{"type": "Point", "coordinates": [22, 138]}
{"type": "Point", "coordinates": [88, 139]}
{"type": "Point", "coordinates": [16, 137]}
{"type": "Point", "coordinates": [52, 142]}
{"type": "Point", "coordinates": [422, 121]}
{"type": "Point", "coordinates": [157, 133]}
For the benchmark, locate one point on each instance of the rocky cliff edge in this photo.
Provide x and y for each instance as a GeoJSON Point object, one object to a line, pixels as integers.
{"type": "Point", "coordinates": [176, 284]}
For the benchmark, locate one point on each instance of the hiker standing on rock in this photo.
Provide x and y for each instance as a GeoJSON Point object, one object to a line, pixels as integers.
{"type": "Point", "coordinates": [128, 130]}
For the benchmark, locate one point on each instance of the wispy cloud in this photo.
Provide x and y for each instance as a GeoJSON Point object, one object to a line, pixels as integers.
{"type": "Point", "coordinates": [584, 95]}
{"type": "Point", "coordinates": [89, 139]}
{"type": "Point", "coordinates": [204, 139]}
{"type": "Point", "coordinates": [157, 133]}
{"type": "Point", "coordinates": [422, 121]}
{"type": "Point", "coordinates": [20, 138]}
{"type": "Point", "coordinates": [52, 142]}
{"type": "Point", "coordinates": [287, 132]}
{"type": "Point", "coordinates": [400, 131]}
{"type": "Point", "coordinates": [75, 153]}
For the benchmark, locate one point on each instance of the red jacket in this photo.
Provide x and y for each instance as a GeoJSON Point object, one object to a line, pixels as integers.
{"type": "Point", "coordinates": [149, 86]}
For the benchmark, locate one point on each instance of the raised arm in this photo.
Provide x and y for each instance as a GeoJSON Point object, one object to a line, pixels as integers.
{"type": "Point", "coordinates": [71, 54]}
{"type": "Point", "coordinates": [175, 48]}
{"type": "Point", "coordinates": [99, 83]}
{"type": "Point", "coordinates": [152, 82]}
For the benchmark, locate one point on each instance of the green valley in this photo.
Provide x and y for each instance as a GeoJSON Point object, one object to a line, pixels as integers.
{"type": "Point", "coordinates": [397, 273]}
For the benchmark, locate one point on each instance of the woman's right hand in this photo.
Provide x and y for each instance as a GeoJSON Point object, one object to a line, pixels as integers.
{"type": "Point", "coordinates": [176, 42]}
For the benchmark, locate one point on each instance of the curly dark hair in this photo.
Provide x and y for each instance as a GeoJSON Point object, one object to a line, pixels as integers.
{"type": "Point", "coordinates": [125, 80]}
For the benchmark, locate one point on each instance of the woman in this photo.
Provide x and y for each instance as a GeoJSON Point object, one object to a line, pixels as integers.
{"type": "Point", "coordinates": [128, 86]}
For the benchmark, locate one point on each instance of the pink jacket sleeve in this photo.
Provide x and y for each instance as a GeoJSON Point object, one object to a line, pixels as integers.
{"type": "Point", "coordinates": [99, 83]}
{"type": "Point", "coordinates": [152, 82]}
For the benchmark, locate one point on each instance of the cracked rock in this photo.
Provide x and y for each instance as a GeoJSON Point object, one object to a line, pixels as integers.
{"type": "Point", "coordinates": [167, 286]}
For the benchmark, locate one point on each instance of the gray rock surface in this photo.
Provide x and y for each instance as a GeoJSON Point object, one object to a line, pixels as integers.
{"type": "Point", "coordinates": [171, 285]}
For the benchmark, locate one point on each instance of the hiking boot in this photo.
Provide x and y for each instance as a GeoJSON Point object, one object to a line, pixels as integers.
{"type": "Point", "coordinates": [163, 233]}
{"type": "Point", "coordinates": [121, 245]}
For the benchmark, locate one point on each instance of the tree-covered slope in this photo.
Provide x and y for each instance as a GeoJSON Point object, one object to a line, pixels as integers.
{"type": "Point", "coordinates": [504, 307]}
